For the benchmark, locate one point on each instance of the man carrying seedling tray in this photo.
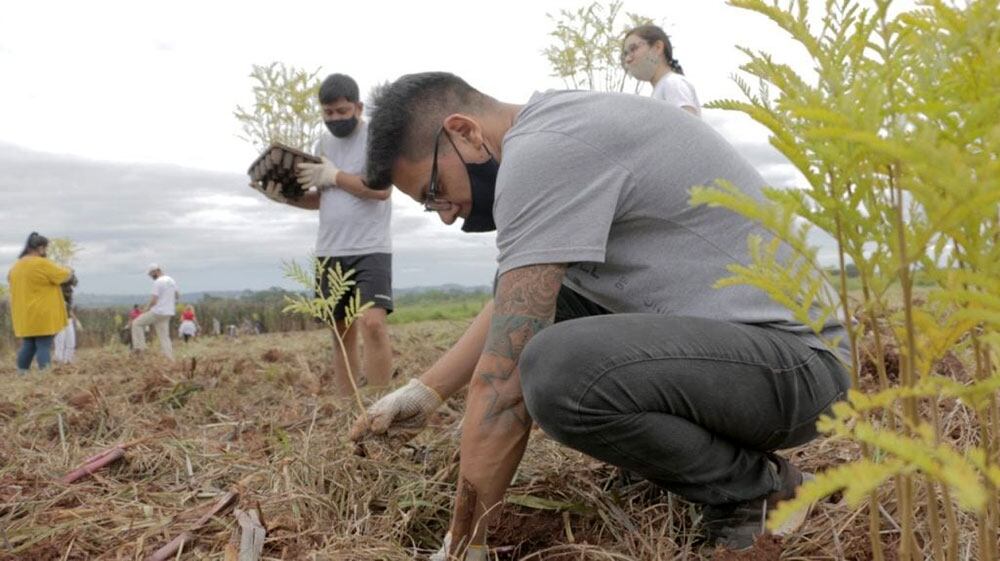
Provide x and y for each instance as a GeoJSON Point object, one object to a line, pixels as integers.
{"type": "Point", "coordinates": [353, 228]}
{"type": "Point", "coordinates": [606, 328]}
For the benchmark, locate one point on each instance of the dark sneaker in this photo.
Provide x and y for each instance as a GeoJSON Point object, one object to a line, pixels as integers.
{"type": "Point", "coordinates": [737, 525]}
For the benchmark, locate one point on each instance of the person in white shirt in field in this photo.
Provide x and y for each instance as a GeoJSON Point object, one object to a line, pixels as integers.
{"type": "Point", "coordinates": [159, 310]}
{"type": "Point", "coordinates": [649, 57]}
{"type": "Point", "coordinates": [354, 231]}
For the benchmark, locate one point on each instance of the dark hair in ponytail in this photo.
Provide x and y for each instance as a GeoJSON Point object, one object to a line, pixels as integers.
{"type": "Point", "coordinates": [653, 33]}
{"type": "Point", "coordinates": [35, 241]}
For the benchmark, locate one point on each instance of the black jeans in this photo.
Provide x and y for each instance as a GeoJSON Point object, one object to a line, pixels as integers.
{"type": "Point", "coordinates": [691, 404]}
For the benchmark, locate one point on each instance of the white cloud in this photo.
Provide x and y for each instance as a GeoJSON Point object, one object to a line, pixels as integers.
{"type": "Point", "coordinates": [208, 229]}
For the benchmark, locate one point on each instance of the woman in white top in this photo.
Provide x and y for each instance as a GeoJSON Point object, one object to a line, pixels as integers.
{"type": "Point", "coordinates": [648, 56]}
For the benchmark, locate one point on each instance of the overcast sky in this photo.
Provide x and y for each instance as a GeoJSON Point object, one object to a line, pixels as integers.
{"type": "Point", "coordinates": [117, 127]}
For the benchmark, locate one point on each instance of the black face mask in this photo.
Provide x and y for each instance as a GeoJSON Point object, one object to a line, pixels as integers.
{"type": "Point", "coordinates": [483, 183]}
{"type": "Point", "coordinates": [341, 127]}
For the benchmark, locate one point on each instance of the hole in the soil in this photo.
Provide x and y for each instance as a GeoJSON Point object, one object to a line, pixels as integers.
{"type": "Point", "coordinates": [518, 531]}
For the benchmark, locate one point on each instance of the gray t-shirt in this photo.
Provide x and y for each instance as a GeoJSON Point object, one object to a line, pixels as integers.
{"type": "Point", "coordinates": [350, 225]}
{"type": "Point", "coordinates": [600, 182]}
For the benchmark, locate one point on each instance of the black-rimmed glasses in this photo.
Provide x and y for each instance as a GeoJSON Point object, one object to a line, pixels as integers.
{"type": "Point", "coordinates": [431, 201]}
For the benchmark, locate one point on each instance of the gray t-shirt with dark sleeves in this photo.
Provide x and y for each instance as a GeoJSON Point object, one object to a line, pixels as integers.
{"type": "Point", "coordinates": [601, 182]}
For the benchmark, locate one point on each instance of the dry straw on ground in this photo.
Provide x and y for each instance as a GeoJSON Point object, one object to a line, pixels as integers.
{"type": "Point", "coordinates": [254, 415]}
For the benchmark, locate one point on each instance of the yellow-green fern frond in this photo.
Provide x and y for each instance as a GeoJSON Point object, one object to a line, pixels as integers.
{"type": "Point", "coordinates": [857, 480]}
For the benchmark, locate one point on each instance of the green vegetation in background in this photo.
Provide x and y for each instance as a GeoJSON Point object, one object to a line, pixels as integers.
{"type": "Point", "coordinates": [434, 305]}
{"type": "Point", "coordinates": [854, 284]}
{"type": "Point", "coordinates": [102, 326]}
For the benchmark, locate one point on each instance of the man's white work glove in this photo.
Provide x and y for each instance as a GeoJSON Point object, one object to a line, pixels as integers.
{"type": "Point", "coordinates": [473, 553]}
{"type": "Point", "coordinates": [272, 191]}
{"type": "Point", "coordinates": [400, 415]}
{"type": "Point", "coordinates": [321, 175]}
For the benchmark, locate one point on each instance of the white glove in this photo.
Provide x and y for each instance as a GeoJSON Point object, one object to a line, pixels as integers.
{"type": "Point", "coordinates": [400, 415]}
{"type": "Point", "coordinates": [321, 175]}
{"type": "Point", "coordinates": [272, 191]}
{"type": "Point", "coordinates": [473, 553]}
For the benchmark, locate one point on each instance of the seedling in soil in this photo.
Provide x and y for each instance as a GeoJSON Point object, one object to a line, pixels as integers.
{"type": "Point", "coordinates": [340, 284]}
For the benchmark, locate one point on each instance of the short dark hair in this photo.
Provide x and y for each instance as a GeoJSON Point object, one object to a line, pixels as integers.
{"type": "Point", "coordinates": [651, 34]}
{"type": "Point", "coordinates": [337, 86]}
{"type": "Point", "coordinates": [406, 116]}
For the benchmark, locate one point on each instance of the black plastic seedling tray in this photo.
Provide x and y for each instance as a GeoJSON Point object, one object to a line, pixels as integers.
{"type": "Point", "coordinates": [277, 163]}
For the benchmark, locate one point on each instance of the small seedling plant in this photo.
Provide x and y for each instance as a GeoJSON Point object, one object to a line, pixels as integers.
{"type": "Point", "coordinates": [315, 305]}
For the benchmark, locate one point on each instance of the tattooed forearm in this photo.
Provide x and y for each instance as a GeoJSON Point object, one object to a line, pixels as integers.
{"type": "Point", "coordinates": [497, 424]}
{"type": "Point", "coordinates": [509, 334]}
{"type": "Point", "coordinates": [529, 291]}
{"type": "Point", "coordinates": [524, 305]}
{"type": "Point", "coordinates": [504, 390]}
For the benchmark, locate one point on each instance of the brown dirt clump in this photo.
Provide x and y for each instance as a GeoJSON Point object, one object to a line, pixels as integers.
{"type": "Point", "coordinates": [869, 364]}
{"type": "Point", "coordinates": [153, 384]}
{"type": "Point", "coordinates": [519, 530]}
{"type": "Point", "coordinates": [951, 367]}
{"type": "Point", "coordinates": [82, 400]}
{"type": "Point", "coordinates": [38, 552]}
{"type": "Point", "coordinates": [271, 355]}
{"type": "Point", "coordinates": [767, 548]}
{"type": "Point", "coordinates": [7, 410]}
{"type": "Point", "coordinates": [16, 486]}
{"type": "Point", "coordinates": [167, 423]}
{"type": "Point", "coordinates": [241, 365]}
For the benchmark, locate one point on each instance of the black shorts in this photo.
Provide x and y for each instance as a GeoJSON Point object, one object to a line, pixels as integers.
{"type": "Point", "coordinates": [372, 273]}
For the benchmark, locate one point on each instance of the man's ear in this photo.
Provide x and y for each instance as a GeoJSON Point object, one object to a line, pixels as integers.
{"type": "Point", "coordinates": [465, 128]}
{"type": "Point", "coordinates": [361, 108]}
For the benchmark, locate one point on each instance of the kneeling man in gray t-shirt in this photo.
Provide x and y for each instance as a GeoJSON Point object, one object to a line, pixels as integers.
{"type": "Point", "coordinates": [605, 328]}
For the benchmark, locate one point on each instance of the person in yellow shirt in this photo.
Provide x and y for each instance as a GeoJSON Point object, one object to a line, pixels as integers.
{"type": "Point", "coordinates": [36, 302]}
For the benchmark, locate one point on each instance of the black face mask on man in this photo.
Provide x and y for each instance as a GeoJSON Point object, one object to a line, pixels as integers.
{"type": "Point", "coordinates": [483, 183]}
{"type": "Point", "coordinates": [341, 127]}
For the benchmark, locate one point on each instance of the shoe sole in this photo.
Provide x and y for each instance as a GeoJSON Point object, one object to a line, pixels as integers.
{"type": "Point", "coordinates": [796, 521]}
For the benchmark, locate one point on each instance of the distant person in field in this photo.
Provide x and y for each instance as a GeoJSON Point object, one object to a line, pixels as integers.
{"type": "Point", "coordinates": [159, 310]}
{"type": "Point", "coordinates": [37, 307]}
{"type": "Point", "coordinates": [126, 334]}
{"type": "Point", "coordinates": [649, 57]}
{"type": "Point", "coordinates": [605, 327]}
{"type": "Point", "coordinates": [188, 328]}
{"type": "Point", "coordinates": [353, 228]}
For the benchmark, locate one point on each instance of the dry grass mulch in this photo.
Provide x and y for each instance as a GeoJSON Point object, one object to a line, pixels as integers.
{"type": "Point", "coordinates": [256, 415]}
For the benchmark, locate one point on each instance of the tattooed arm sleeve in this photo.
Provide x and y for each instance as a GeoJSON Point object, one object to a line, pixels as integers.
{"type": "Point", "coordinates": [496, 425]}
